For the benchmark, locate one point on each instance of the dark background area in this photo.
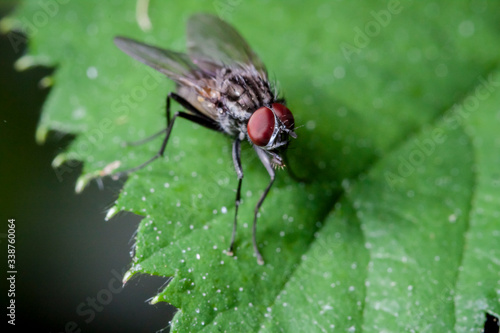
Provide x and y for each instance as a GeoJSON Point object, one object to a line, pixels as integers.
{"type": "Point", "coordinates": [67, 256]}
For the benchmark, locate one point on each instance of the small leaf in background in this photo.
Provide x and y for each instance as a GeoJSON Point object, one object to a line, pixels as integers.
{"type": "Point", "coordinates": [397, 226]}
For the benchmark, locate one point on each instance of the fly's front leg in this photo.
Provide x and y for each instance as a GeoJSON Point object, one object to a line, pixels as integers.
{"type": "Point", "coordinates": [266, 161]}
{"type": "Point", "coordinates": [239, 172]}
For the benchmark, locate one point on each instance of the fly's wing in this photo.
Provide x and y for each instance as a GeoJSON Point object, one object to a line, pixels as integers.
{"type": "Point", "coordinates": [214, 43]}
{"type": "Point", "coordinates": [194, 84]}
{"type": "Point", "coordinates": [177, 66]}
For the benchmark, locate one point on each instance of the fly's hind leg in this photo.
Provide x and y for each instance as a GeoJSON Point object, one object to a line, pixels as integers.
{"type": "Point", "coordinates": [143, 141]}
{"type": "Point", "coordinates": [196, 117]}
{"type": "Point", "coordinates": [179, 100]}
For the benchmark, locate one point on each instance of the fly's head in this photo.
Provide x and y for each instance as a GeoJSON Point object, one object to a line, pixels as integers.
{"type": "Point", "coordinates": [270, 128]}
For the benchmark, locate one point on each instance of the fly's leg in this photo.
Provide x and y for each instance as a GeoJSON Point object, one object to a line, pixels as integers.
{"type": "Point", "coordinates": [188, 106]}
{"type": "Point", "coordinates": [143, 141]}
{"type": "Point", "coordinates": [197, 118]}
{"type": "Point", "coordinates": [265, 159]}
{"type": "Point", "coordinates": [168, 108]}
{"type": "Point", "coordinates": [154, 136]}
{"type": "Point", "coordinates": [179, 100]}
{"type": "Point", "coordinates": [239, 172]}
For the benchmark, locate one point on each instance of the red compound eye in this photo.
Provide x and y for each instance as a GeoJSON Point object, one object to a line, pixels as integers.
{"type": "Point", "coordinates": [261, 126]}
{"type": "Point", "coordinates": [284, 114]}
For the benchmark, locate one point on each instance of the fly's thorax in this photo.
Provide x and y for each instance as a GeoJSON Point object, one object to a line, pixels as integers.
{"type": "Point", "coordinates": [243, 89]}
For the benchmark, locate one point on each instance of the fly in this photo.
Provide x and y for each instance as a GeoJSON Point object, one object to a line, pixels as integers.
{"type": "Point", "coordinates": [223, 86]}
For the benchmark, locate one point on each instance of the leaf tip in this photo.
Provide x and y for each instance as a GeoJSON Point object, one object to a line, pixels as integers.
{"type": "Point", "coordinates": [30, 61]}
{"type": "Point", "coordinates": [6, 25]}
{"type": "Point", "coordinates": [82, 182]}
{"type": "Point", "coordinates": [155, 300]}
{"type": "Point", "coordinates": [46, 82]}
{"type": "Point", "coordinates": [59, 160]}
{"type": "Point", "coordinates": [128, 275]}
{"type": "Point", "coordinates": [24, 63]}
{"type": "Point", "coordinates": [41, 134]}
{"type": "Point", "coordinates": [112, 212]}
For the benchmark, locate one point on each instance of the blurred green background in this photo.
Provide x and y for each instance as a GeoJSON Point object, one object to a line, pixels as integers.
{"type": "Point", "coordinates": [65, 252]}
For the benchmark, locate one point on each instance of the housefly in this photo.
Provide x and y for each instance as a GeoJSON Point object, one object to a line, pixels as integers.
{"type": "Point", "coordinates": [223, 86]}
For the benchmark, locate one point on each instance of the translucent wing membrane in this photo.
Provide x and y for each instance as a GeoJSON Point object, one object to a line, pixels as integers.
{"type": "Point", "coordinates": [211, 41]}
{"type": "Point", "coordinates": [177, 66]}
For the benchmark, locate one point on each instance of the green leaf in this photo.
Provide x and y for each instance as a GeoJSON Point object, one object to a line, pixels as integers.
{"type": "Point", "coordinates": [396, 228]}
